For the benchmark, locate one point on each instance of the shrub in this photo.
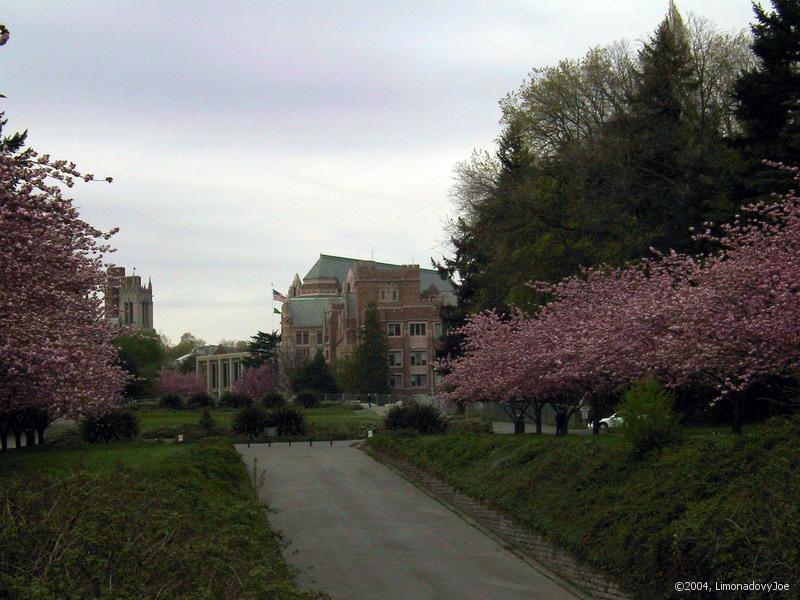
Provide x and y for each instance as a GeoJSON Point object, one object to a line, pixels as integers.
{"type": "Point", "coordinates": [648, 421]}
{"type": "Point", "coordinates": [307, 398]}
{"type": "Point", "coordinates": [460, 424]}
{"type": "Point", "coordinates": [417, 417]}
{"type": "Point", "coordinates": [120, 424]}
{"type": "Point", "coordinates": [288, 420]}
{"type": "Point", "coordinates": [207, 422]}
{"type": "Point", "coordinates": [273, 400]}
{"type": "Point", "coordinates": [250, 420]}
{"type": "Point", "coordinates": [171, 402]}
{"type": "Point", "coordinates": [235, 400]}
{"type": "Point", "coordinates": [200, 400]}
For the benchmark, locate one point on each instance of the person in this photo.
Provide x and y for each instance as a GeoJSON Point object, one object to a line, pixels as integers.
{"type": "Point", "coordinates": [369, 400]}
{"type": "Point", "coordinates": [560, 423]}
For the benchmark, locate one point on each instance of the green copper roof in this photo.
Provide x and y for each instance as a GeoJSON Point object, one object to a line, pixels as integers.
{"type": "Point", "coordinates": [309, 312]}
{"type": "Point", "coordinates": [338, 266]}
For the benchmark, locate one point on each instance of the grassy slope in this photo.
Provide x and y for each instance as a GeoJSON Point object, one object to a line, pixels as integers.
{"type": "Point", "coordinates": [134, 521]}
{"type": "Point", "coordinates": [715, 507]}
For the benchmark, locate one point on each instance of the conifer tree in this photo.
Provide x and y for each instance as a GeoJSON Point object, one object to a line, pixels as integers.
{"type": "Point", "coordinates": [372, 360]}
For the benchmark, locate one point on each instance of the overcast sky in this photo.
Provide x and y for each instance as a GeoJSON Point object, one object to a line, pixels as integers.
{"type": "Point", "coordinates": [245, 138]}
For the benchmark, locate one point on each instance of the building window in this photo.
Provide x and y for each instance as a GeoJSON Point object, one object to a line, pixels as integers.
{"type": "Point", "coordinates": [416, 329]}
{"type": "Point", "coordinates": [301, 338]}
{"type": "Point", "coordinates": [226, 374]}
{"type": "Point", "coordinates": [383, 294]}
{"type": "Point", "coordinates": [395, 358]}
{"type": "Point", "coordinates": [419, 358]}
{"type": "Point", "coordinates": [395, 380]}
{"type": "Point", "coordinates": [394, 294]}
{"type": "Point", "coordinates": [303, 353]}
{"type": "Point", "coordinates": [419, 381]}
{"type": "Point", "coordinates": [437, 329]}
{"type": "Point", "coordinates": [319, 338]}
{"type": "Point", "coordinates": [394, 329]}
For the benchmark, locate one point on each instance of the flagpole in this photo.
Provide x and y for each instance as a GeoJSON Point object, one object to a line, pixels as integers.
{"type": "Point", "coordinates": [272, 309]}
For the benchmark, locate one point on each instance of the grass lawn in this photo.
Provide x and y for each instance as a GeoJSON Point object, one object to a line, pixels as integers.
{"type": "Point", "coordinates": [96, 458]}
{"type": "Point", "coordinates": [714, 507]}
{"type": "Point", "coordinates": [324, 422]}
{"type": "Point", "coordinates": [152, 418]}
{"type": "Point", "coordinates": [135, 520]}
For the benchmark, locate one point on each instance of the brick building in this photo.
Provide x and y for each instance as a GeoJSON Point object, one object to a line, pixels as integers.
{"type": "Point", "coordinates": [326, 310]}
{"type": "Point", "coordinates": [127, 301]}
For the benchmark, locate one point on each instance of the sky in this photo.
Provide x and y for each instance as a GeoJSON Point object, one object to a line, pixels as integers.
{"type": "Point", "coordinates": [246, 138]}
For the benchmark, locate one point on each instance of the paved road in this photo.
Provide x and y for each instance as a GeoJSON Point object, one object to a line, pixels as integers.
{"type": "Point", "coordinates": [359, 531]}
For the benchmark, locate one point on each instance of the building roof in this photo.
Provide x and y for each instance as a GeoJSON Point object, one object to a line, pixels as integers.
{"type": "Point", "coordinates": [309, 312]}
{"type": "Point", "coordinates": [338, 266]}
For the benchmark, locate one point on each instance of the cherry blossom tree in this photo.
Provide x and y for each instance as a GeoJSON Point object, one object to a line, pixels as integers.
{"type": "Point", "coordinates": [738, 322]}
{"type": "Point", "coordinates": [730, 318]}
{"type": "Point", "coordinates": [255, 382]}
{"type": "Point", "coordinates": [56, 354]}
{"type": "Point", "coordinates": [182, 384]}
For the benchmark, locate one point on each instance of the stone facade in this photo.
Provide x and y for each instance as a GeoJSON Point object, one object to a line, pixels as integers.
{"type": "Point", "coordinates": [127, 301]}
{"type": "Point", "coordinates": [326, 310]}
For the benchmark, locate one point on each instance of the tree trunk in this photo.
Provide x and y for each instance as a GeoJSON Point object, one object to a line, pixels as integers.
{"type": "Point", "coordinates": [519, 425]}
{"type": "Point", "coordinates": [40, 434]}
{"type": "Point", "coordinates": [18, 438]}
{"type": "Point", "coordinates": [4, 438]}
{"type": "Point", "coordinates": [595, 417]}
{"type": "Point", "coordinates": [538, 413]}
{"type": "Point", "coordinates": [737, 414]}
{"type": "Point", "coordinates": [30, 438]}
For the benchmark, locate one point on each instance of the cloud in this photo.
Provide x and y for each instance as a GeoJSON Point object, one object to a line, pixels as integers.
{"type": "Point", "coordinates": [247, 137]}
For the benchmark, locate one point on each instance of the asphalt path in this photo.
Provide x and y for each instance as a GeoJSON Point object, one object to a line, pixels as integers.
{"type": "Point", "coordinates": [359, 531]}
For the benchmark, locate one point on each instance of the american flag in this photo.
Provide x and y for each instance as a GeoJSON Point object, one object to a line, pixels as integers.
{"type": "Point", "coordinates": [277, 296]}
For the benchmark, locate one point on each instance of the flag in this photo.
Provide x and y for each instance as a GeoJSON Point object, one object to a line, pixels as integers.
{"type": "Point", "coordinates": [276, 311]}
{"type": "Point", "coordinates": [277, 296]}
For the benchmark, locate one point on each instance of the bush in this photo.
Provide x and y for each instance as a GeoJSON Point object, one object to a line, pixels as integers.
{"type": "Point", "coordinates": [250, 420]}
{"type": "Point", "coordinates": [207, 422]}
{"type": "Point", "coordinates": [648, 422]}
{"type": "Point", "coordinates": [307, 398]}
{"type": "Point", "coordinates": [460, 424]}
{"type": "Point", "coordinates": [235, 400]}
{"type": "Point", "coordinates": [288, 420]}
{"type": "Point", "coordinates": [273, 400]}
{"type": "Point", "coordinates": [201, 400]}
{"type": "Point", "coordinates": [120, 424]}
{"type": "Point", "coordinates": [170, 402]}
{"type": "Point", "coordinates": [422, 418]}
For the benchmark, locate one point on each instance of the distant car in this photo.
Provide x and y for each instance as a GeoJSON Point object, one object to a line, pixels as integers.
{"type": "Point", "coordinates": [611, 422]}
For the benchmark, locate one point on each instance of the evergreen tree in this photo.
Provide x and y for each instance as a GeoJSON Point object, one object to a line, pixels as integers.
{"type": "Point", "coordinates": [314, 375]}
{"type": "Point", "coordinates": [768, 97]}
{"type": "Point", "coordinates": [263, 349]}
{"type": "Point", "coordinates": [372, 356]}
{"type": "Point", "coordinates": [658, 141]}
